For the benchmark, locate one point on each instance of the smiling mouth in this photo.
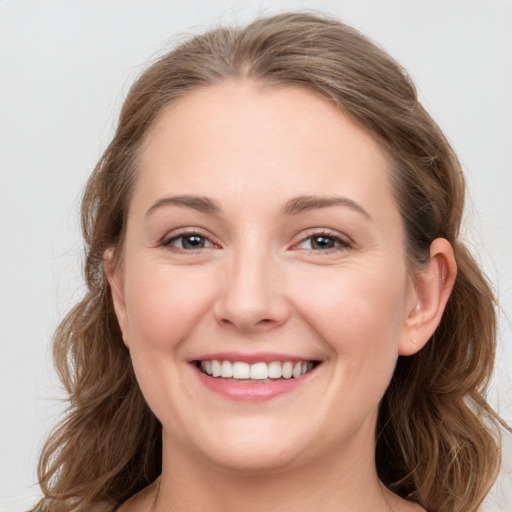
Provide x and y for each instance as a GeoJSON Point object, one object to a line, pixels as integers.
{"type": "Point", "coordinates": [243, 372]}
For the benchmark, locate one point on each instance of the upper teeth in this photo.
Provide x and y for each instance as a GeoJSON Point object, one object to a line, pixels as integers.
{"type": "Point", "coordinates": [256, 371]}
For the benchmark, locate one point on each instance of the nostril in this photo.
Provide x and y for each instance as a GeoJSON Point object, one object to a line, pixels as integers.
{"type": "Point", "coordinates": [265, 323]}
{"type": "Point", "coordinates": [248, 314]}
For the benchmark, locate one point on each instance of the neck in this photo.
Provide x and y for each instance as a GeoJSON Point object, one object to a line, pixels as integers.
{"type": "Point", "coordinates": [341, 482]}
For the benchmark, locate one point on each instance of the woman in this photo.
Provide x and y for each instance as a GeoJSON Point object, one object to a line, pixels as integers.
{"type": "Point", "coordinates": [280, 312]}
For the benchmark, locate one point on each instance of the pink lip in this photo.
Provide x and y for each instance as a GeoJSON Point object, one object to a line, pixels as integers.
{"type": "Point", "coordinates": [250, 392]}
{"type": "Point", "coordinates": [260, 357]}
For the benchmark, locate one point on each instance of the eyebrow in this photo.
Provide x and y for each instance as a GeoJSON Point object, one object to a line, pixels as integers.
{"type": "Point", "coordinates": [293, 206]}
{"type": "Point", "coordinates": [302, 204]}
{"type": "Point", "coordinates": [199, 203]}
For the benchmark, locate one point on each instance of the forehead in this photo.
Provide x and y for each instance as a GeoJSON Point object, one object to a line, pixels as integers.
{"type": "Point", "coordinates": [245, 140]}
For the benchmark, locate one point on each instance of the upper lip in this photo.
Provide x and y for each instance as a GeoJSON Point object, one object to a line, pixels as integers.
{"type": "Point", "coordinates": [251, 358]}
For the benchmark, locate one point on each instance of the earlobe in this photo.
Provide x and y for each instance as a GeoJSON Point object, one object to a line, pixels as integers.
{"type": "Point", "coordinates": [115, 281]}
{"type": "Point", "coordinates": [432, 288]}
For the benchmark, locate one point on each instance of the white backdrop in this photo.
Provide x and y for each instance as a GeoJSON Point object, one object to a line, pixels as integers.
{"type": "Point", "coordinates": [64, 69]}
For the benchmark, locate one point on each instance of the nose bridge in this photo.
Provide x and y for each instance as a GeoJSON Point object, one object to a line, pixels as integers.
{"type": "Point", "coordinates": [251, 298]}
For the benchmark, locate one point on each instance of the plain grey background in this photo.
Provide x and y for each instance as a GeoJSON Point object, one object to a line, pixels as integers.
{"type": "Point", "coordinates": [65, 67]}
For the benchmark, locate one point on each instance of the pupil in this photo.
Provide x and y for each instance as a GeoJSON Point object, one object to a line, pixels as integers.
{"type": "Point", "coordinates": [193, 242]}
{"type": "Point", "coordinates": [322, 242]}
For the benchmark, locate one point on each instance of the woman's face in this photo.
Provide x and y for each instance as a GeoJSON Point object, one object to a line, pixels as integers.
{"type": "Point", "coordinates": [263, 239]}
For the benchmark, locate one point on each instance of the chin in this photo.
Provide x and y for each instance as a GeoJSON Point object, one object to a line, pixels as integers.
{"type": "Point", "coordinates": [251, 447]}
{"type": "Point", "coordinates": [254, 459]}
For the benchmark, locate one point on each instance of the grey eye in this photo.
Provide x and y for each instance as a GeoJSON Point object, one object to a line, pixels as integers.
{"type": "Point", "coordinates": [322, 242]}
{"type": "Point", "coordinates": [189, 242]}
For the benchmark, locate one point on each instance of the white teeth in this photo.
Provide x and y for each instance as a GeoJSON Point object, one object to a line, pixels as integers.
{"type": "Point", "coordinates": [274, 370]}
{"type": "Point", "coordinates": [259, 371]}
{"type": "Point", "coordinates": [241, 370]}
{"type": "Point", "coordinates": [226, 369]}
{"type": "Point", "coordinates": [287, 370]}
{"type": "Point", "coordinates": [256, 371]}
{"type": "Point", "coordinates": [215, 368]}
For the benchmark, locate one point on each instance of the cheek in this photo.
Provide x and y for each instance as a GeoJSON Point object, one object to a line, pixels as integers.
{"type": "Point", "coordinates": [164, 304]}
{"type": "Point", "coordinates": [359, 315]}
{"type": "Point", "coordinates": [356, 302]}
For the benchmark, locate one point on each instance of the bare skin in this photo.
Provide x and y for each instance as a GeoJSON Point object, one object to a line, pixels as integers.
{"type": "Point", "coordinates": [148, 501]}
{"type": "Point", "coordinates": [246, 268]}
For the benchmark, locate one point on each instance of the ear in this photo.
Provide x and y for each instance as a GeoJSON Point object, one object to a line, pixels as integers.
{"type": "Point", "coordinates": [431, 290]}
{"type": "Point", "coordinates": [115, 280]}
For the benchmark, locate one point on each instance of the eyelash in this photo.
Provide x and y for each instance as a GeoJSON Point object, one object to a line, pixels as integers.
{"type": "Point", "coordinates": [340, 243]}
{"type": "Point", "coordinates": [168, 241]}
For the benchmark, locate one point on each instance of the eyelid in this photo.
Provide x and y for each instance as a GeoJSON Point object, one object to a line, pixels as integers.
{"type": "Point", "coordinates": [187, 231]}
{"type": "Point", "coordinates": [344, 240]}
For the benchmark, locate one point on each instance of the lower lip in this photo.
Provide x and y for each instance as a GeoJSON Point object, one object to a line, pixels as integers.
{"type": "Point", "coordinates": [251, 392]}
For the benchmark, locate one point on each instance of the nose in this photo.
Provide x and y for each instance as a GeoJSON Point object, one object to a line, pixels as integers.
{"type": "Point", "coordinates": [251, 298]}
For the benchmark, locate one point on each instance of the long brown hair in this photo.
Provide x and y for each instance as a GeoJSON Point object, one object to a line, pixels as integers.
{"type": "Point", "coordinates": [436, 435]}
